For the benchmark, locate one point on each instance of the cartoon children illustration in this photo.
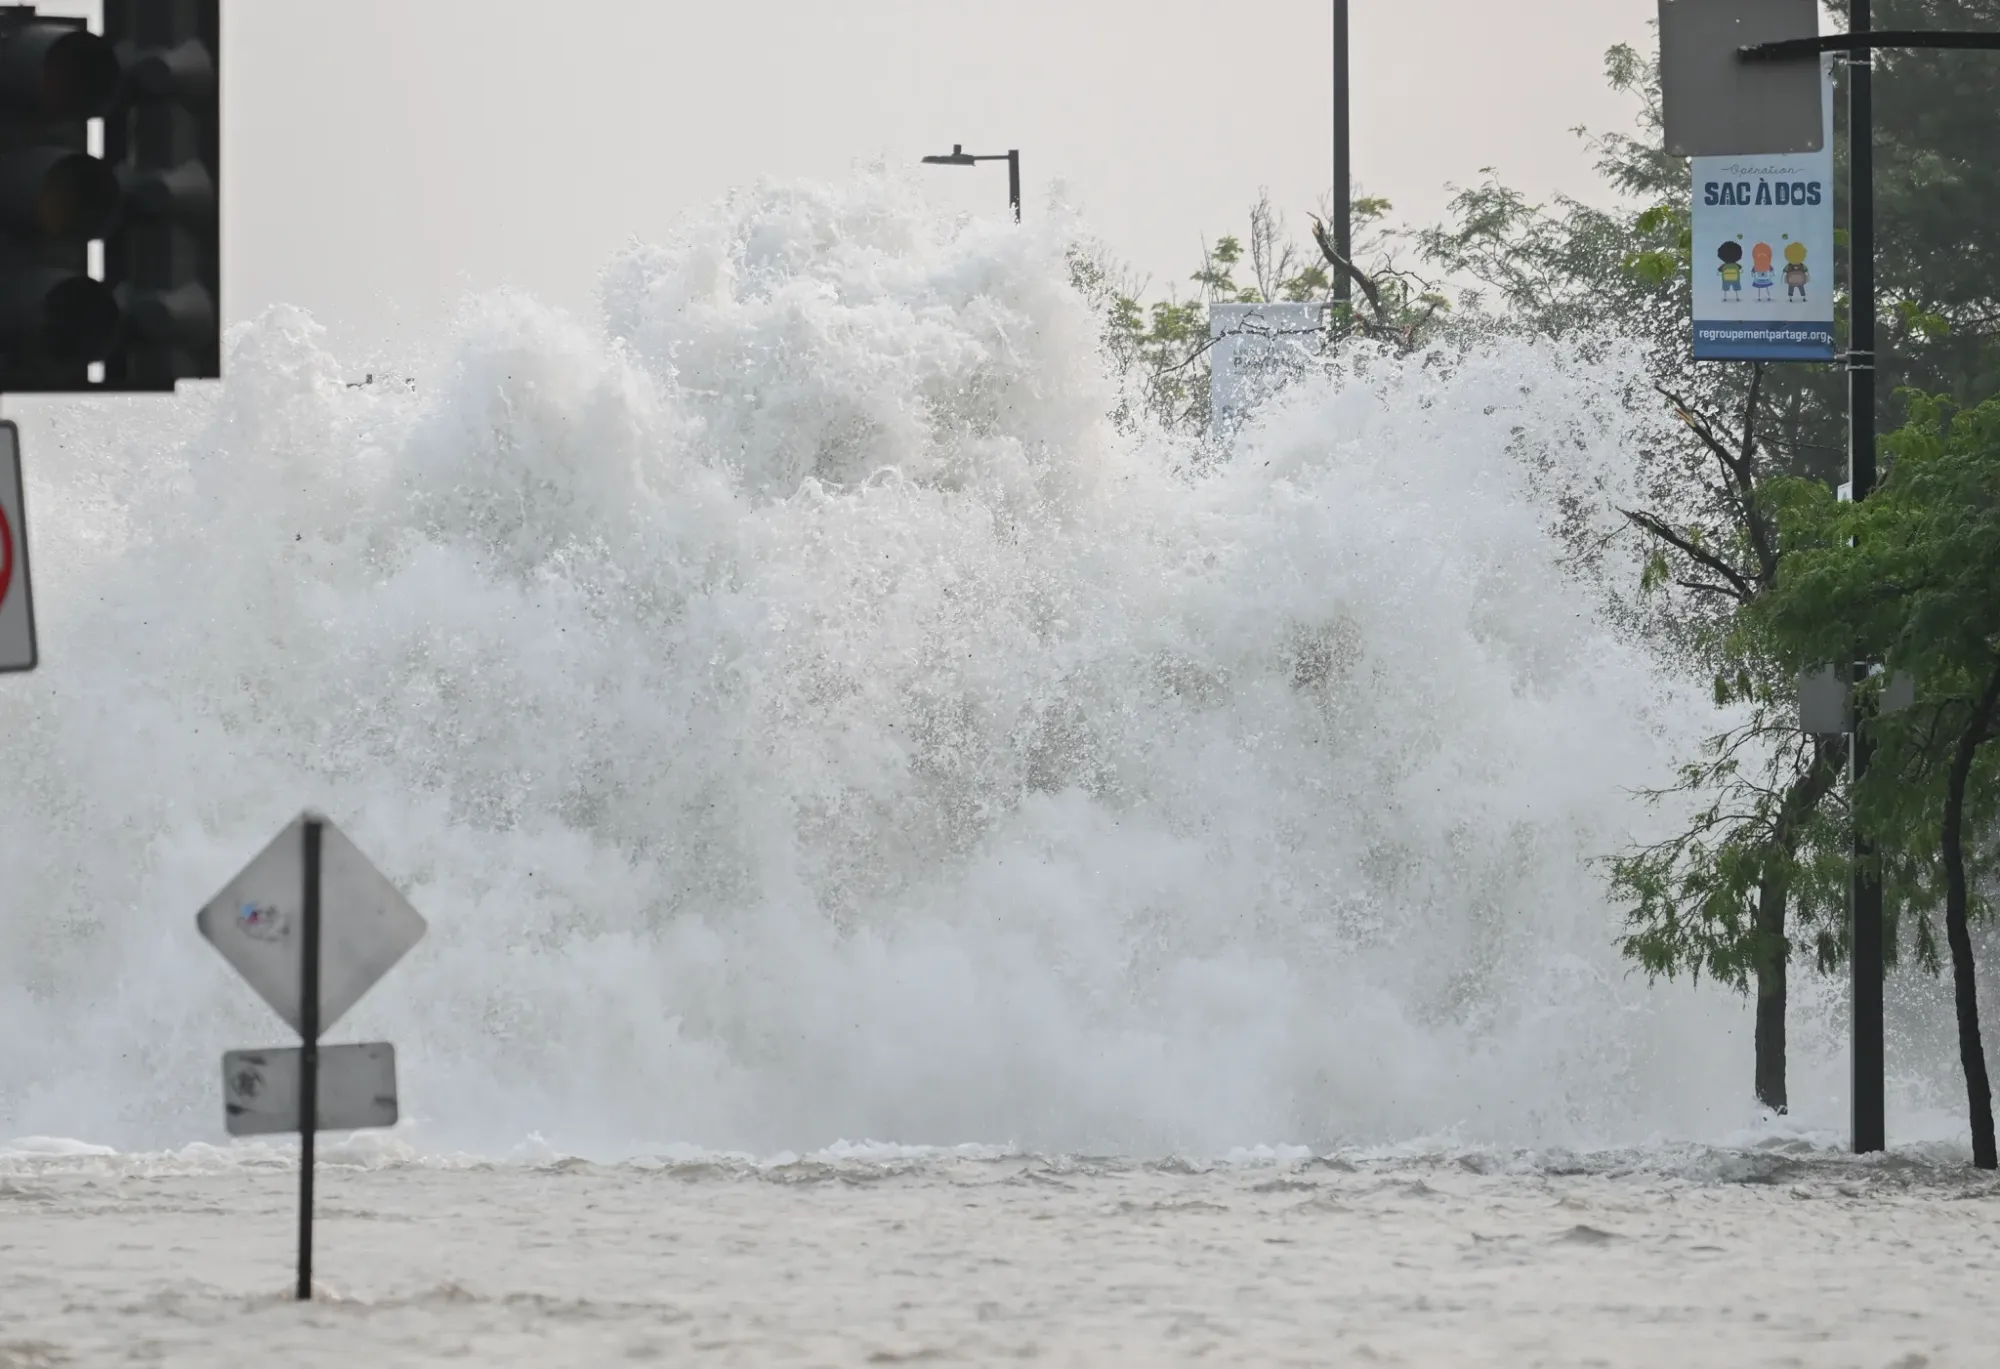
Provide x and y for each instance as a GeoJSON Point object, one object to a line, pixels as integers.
{"type": "Point", "coordinates": [1731, 270]}
{"type": "Point", "coordinates": [1760, 271]}
{"type": "Point", "coordinates": [1796, 274]}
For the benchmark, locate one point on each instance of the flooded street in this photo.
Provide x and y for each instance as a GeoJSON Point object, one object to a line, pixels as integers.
{"type": "Point", "coordinates": [1693, 1257]}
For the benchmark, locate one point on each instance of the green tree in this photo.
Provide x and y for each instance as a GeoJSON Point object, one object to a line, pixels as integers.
{"type": "Point", "coordinates": [1760, 854]}
{"type": "Point", "coordinates": [1160, 349]}
{"type": "Point", "coordinates": [1759, 874]}
{"type": "Point", "coordinates": [1763, 856]}
{"type": "Point", "coordinates": [1913, 574]}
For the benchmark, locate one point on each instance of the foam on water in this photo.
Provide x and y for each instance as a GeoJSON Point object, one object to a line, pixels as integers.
{"type": "Point", "coordinates": [802, 716]}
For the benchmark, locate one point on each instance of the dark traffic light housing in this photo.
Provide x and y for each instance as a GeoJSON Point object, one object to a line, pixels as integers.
{"type": "Point", "coordinates": [152, 199]}
{"type": "Point", "coordinates": [163, 258]}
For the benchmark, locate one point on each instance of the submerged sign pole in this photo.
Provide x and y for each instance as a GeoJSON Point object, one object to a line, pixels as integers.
{"type": "Point", "coordinates": [311, 925]}
{"type": "Point", "coordinates": [311, 831]}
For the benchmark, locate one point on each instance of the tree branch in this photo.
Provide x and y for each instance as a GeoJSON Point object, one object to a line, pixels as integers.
{"type": "Point", "coordinates": [1746, 479]}
{"type": "Point", "coordinates": [1405, 338]}
{"type": "Point", "coordinates": [1741, 588]}
{"type": "Point", "coordinates": [1739, 469]}
{"type": "Point", "coordinates": [1707, 588]}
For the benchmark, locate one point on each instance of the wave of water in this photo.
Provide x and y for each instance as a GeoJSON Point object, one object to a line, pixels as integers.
{"type": "Point", "coordinates": [801, 715]}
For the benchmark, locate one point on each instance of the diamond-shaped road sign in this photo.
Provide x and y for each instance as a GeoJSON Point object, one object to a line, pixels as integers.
{"type": "Point", "coordinates": [17, 609]}
{"type": "Point", "coordinates": [311, 925]}
{"type": "Point", "coordinates": [1715, 104]}
{"type": "Point", "coordinates": [257, 922]}
{"type": "Point", "coordinates": [356, 1089]}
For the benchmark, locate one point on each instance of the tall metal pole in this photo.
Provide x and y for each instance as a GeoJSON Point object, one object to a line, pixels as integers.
{"type": "Point", "coordinates": [1343, 175]}
{"type": "Point", "coordinates": [309, 1051]}
{"type": "Point", "coordinates": [1014, 181]}
{"type": "Point", "coordinates": [1869, 1122]}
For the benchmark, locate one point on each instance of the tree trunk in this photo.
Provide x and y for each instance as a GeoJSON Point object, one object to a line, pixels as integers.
{"type": "Point", "coordinates": [1771, 994]}
{"type": "Point", "coordinates": [1773, 895]}
{"type": "Point", "coordinates": [1965, 983]}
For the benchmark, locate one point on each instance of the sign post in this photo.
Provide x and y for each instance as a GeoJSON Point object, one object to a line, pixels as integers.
{"type": "Point", "coordinates": [17, 605]}
{"type": "Point", "coordinates": [312, 836]}
{"type": "Point", "coordinates": [310, 925]}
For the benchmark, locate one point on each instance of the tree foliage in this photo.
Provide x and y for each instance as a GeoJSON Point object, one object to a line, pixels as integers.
{"type": "Point", "coordinates": [1160, 349]}
{"type": "Point", "coordinates": [1912, 575]}
{"type": "Point", "coordinates": [1758, 874]}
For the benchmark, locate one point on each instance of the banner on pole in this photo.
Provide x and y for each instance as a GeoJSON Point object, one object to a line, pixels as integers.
{"type": "Point", "coordinates": [1763, 252]}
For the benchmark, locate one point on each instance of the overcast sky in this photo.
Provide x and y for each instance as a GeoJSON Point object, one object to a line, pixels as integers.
{"type": "Point", "coordinates": [382, 156]}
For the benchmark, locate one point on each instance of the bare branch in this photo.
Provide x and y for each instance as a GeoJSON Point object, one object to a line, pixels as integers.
{"type": "Point", "coordinates": [1707, 588]}
{"type": "Point", "coordinates": [1754, 522]}
{"type": "Point", "coordinates": [1741, 589]}
{"type": "Point", "coordinates": [1382, 326]}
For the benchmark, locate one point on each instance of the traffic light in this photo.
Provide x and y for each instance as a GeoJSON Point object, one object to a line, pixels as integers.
{"type": "Point", "coordinates": [163, 256]}
{"type": "Point", "coordinates": [152, 199]}
{"type": "Point", "coordinates": [55, 198]}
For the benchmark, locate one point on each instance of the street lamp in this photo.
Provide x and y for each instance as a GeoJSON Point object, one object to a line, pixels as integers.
{"type": "Point", "coordinates": [958, 156]}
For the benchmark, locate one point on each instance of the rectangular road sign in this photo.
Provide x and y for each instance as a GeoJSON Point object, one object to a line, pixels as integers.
{"type": "Point", "coordinates": [357, 1089]}
{"type": "Point", "coordinates": [1826, 704]}
{"type": "Point", "coordinates": [1715, 104]}
{"type": "Point", "coordinates": [257, 922]}
{"type": "Point", "coordinates": [17, 605]}
{"type": "Point", "coordinates": [1253, 349]}
{"type": "Point", "coordinates": [1826, 699]}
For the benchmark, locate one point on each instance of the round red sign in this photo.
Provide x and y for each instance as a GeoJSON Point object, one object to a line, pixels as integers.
{"type": "Point", "coordinates": [6, 557]}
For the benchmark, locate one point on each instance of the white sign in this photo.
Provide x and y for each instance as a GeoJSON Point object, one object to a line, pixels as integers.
{"type": "Point", "coordinates": [356, 1089]}
{"type": "Point", "coordinates": [17, 608]}
{"type": "Point", "coordinates": [1254, 349]}
{"type": "Point", "coordinates": [1763, 253]}
{"type": "Point", "coordinates": [1826, 700]}
{"type": "Point", "coordinates": [366, 925]}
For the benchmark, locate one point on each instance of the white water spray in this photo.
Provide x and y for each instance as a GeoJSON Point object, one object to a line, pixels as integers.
{"type": "Point", "coordinates": [801, 716]}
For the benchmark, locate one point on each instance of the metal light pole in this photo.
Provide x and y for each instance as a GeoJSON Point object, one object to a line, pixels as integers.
{"type": "Point", "coordinates": [958, 156]}
{"type": "Point", "coordinates": [1343, 175]}
{"type": "Point", "coordinates": [1866, 1052]}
